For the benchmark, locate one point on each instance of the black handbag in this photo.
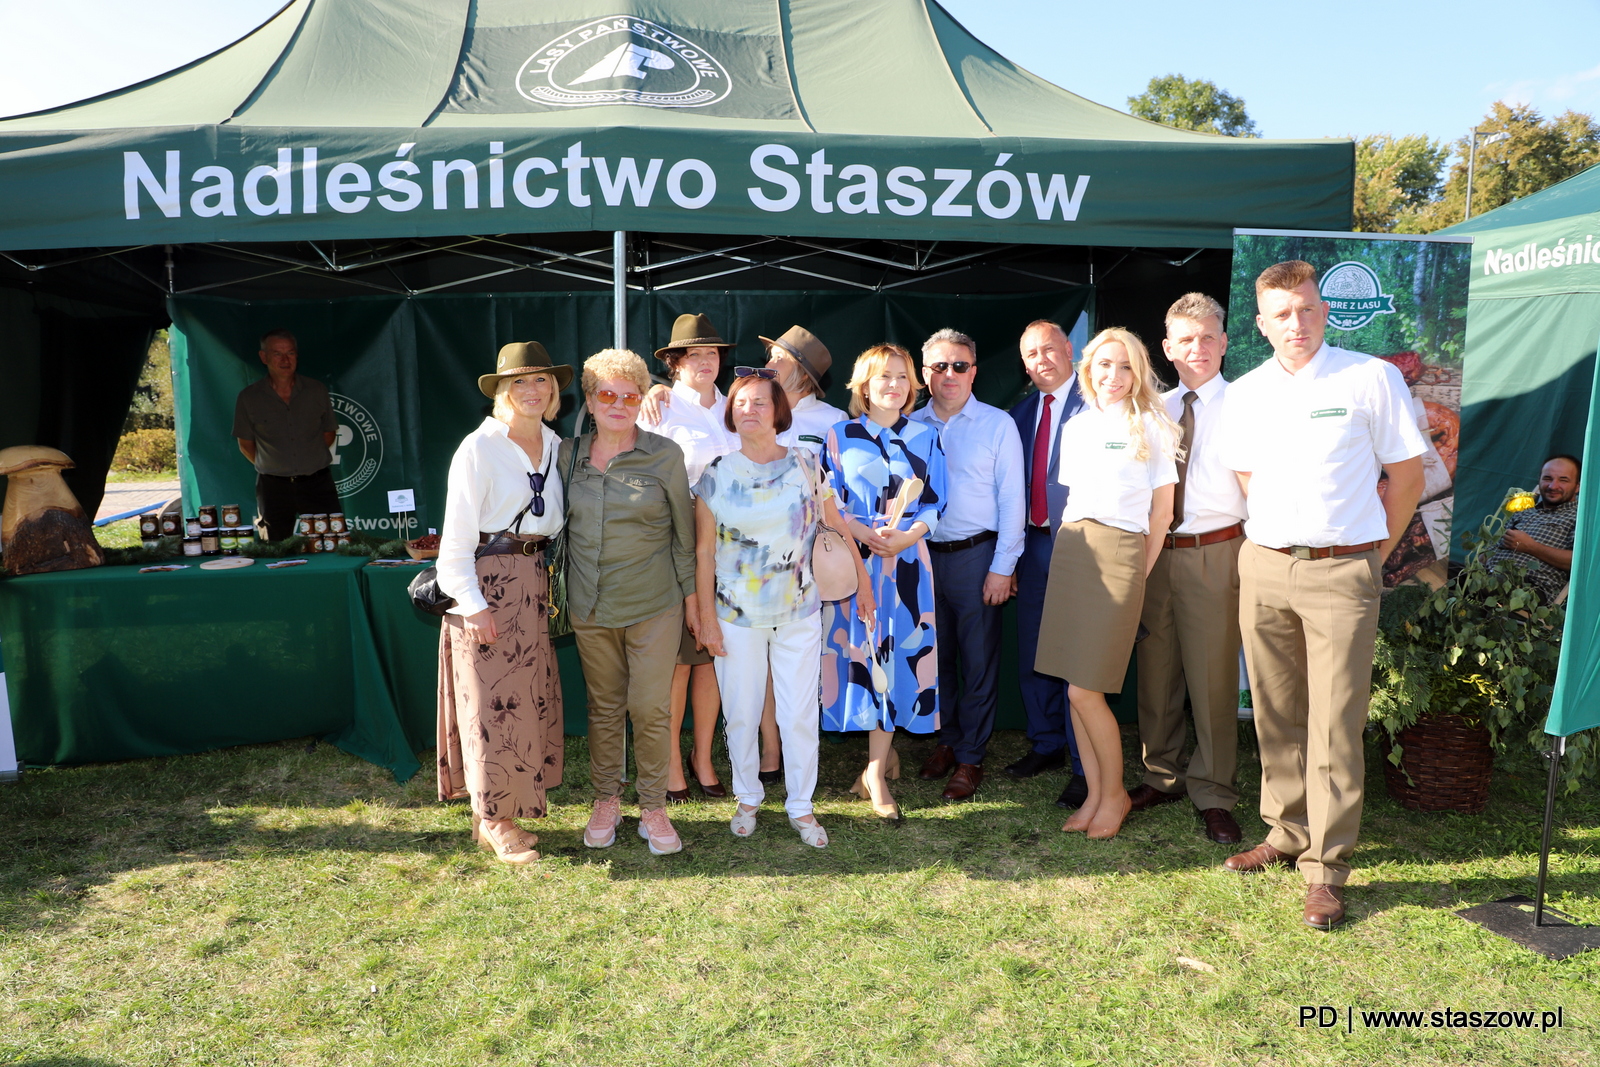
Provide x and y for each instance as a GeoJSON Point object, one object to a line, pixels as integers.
{"type": "Point", "coordinates": [424, 588]}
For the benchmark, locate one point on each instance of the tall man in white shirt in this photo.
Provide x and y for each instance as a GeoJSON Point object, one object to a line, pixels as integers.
{"type": "Point", "coordinates": [1047, 357]}
{"type": "Point", "coordinates": [1191, 598]}
{"type": "Point", "coordinates": [974, 553]}
{"type": "Point", "coordinates": [1308, 433]}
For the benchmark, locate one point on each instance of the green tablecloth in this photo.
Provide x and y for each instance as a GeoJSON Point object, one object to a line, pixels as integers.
{"type": "Point", "coordinates": [110, 664]}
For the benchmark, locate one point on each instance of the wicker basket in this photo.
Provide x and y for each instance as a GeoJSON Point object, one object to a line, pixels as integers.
{"type": "Point", "coordinates": [1448, 760]}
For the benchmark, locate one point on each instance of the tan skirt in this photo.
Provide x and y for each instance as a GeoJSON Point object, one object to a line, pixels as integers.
{"type": "Point", "coordinates": [688, 655]}
{"type": "Point", "coordinates": [500, 720]}
{"type": "Point", "coordinates": [1092, 605]}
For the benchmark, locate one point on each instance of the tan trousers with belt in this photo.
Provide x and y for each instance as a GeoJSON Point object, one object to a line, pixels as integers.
{"type": "Point", "coordinates": [1191, 608]}
{"type": "Point", "coordinates": [628, 672]}
{"type": "Point", "coordinates": [1309, 628]}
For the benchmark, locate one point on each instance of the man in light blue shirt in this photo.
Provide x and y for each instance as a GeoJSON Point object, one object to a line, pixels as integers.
{"type": "Point", "coordinates": [974, 552]}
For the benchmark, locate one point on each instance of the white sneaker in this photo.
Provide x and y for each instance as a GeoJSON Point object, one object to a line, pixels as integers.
{"type": "Point", "coordinates": [656, 828]}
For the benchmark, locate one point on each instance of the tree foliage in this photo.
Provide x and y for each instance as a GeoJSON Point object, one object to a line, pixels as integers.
{"type": "Point", "coordinates": [152, 397]}
{"type": "Point", "coordinates": [1395, 176]}
{"type": "Point", "coordinates": [1192, 104]}
{"type": "Point", "coordinates": [1392, 191]}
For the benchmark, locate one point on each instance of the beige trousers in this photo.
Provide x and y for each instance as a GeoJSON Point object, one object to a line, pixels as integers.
{"type": "Point", "coordinates": [1191, 608]}
{"type": "Point", "coordinates": [1309, 628]}
{"type": "Point", "coordinates": [628, 672]}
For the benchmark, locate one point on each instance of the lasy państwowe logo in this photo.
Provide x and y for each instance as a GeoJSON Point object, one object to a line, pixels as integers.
{"type": "Point", "coordinates": [623, 60]}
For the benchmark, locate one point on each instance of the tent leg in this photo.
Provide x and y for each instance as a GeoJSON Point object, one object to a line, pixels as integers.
{"type": "Point", "coordinates": [1557, 748]}
{"type": "Point", "coordinates": [619, 287]}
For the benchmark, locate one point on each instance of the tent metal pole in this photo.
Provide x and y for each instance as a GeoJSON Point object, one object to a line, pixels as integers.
{"type": "Point", "coordinates": [619, 287]}
{"type": "Point", "coordinates": [1557, 748]}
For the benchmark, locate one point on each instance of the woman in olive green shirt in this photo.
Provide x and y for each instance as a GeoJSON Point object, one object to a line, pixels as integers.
{"type": "Point", "coordinates": [630, 588]}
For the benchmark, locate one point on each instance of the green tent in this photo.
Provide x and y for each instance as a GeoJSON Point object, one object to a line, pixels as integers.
{"type": "Point", "coordinates": [831, 118]}
{"type": "Point", "coordinates": [412, 147]}
{"type": "Point", "coordinates": [1533, 320]}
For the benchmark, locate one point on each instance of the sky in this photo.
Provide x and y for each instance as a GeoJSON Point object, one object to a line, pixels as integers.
{"type": "Point", "coordinates": [1308, 70]}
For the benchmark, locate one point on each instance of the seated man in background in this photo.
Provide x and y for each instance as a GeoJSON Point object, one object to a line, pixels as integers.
{"type": "Point", "coordinates": [1540, 537]}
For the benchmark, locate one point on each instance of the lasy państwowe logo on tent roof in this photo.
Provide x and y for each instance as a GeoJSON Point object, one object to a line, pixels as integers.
{"type": "Point", "coordinates": [623, 60]}
{"type": "Point", "coordinates": [1354, 294]}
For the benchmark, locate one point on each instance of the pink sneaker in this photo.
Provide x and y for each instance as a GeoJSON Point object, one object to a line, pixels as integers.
{"type": "Point", "coordinates": [603, 822]}
{"type": "Point", "coordinates": [656, 828]}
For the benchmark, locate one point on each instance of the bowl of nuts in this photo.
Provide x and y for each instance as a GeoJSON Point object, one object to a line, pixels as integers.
{"type": "Point", "coordinates": [425, 547]}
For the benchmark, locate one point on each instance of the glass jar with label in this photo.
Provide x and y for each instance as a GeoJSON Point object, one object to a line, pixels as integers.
{"type": "Point", "coordinates": [228, 541]}
{"type": "Point", "coordinates": [171, 524]}
{"type": "Point", "coordinates": [191, 546]}
{"type": "Point", "coordinates": [149, 526]}
{"type": "Point", "coordinates": [230, 514]}
{"type": "Point", "coordinates": [192, 527]}
{"type": "Point", "coordinates": [208, 515]}
{"type": "Point", "coordinates": [246, 538]}
{"type": "Point", "coordinates": [210, 541]}
{"type": "Point", "coordinates": [336, 523]}
{"type": "Point", "coordinates": [302, 525]}
{"type": "Point", "coordinates": [319, 523]}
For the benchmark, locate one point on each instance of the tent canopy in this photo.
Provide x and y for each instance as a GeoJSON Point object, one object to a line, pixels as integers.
{"type": "Point", "coordinates": [1533, 321]}
{"type": "Point", "coordinates": [823, 118]}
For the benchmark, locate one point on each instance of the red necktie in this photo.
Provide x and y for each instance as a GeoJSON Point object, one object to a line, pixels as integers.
{"type": "Point", "coordinates": [1038, 509]}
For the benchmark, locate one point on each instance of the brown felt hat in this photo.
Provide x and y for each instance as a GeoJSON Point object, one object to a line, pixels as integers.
{"type": "Point", "coordinates": [523, 357]}
{"type": "Point", "coordinates": [812, 355]}
{"type": "Point", "coordinates": [691, 331]}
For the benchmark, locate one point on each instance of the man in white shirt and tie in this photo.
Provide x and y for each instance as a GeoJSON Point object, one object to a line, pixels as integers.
{"type": "Point", "coordinates": [974, 553]}
{"type": "Point", "coordinates": [1191, 598]}
{"type": "Point", "coordinates": [1047, 357]}
{"type": "Point", "coordinates": [1308, 433]}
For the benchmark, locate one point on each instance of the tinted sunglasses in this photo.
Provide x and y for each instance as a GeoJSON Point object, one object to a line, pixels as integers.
{"type": "Point", "coordinates": [759, 372]}
{"type": "Point", "coordinates": [606, 396]}
{"type": "Point", "coordinates": [960, 366]}
{"type": "Point", "coordinates": [536, 483]}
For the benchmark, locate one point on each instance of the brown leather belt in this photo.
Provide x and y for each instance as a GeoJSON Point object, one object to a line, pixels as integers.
{"type": "Point", "coordinates": [511, 545]}
{"type": "Point", "coordinates": [1307, 552]}
{"type": "Point", "coordinates": [1227, 533]}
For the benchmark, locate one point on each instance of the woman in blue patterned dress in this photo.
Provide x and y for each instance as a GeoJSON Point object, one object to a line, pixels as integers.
{"type": "Point", "coordinates": [884, 676]}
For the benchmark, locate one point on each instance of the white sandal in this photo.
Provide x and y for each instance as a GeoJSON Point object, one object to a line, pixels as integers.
{"type": "Point", "coordinates": [811, 833]}
{"type": "Point", "coordinates": [743, 823]}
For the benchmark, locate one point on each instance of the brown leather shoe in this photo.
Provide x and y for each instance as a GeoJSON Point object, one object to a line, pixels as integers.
{"type": "Point", "coordinates": [1324, 906]}
{"type": "Point", "coordinates": [1143, 797]}
{"type": "Point", "coordinates": [938, 764]}
{"type": "Point", "coordinates": [964, 782]}
{"type": "Point", "coordinates": [1221, 826]}
{"type": "Point", "coordinates": [1258, 859]}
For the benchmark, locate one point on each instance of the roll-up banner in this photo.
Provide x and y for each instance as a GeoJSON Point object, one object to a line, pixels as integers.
{"type": "Point", "coordinates": [1399, 298]}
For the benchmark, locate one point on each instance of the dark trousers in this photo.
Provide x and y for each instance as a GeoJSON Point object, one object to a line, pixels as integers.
{"type": "Point", "coordinates": [279, 500]}
{"type": "Point", "coordinates": [969, 650]}
{"type": "Point", "coordinates": [1044, 698]}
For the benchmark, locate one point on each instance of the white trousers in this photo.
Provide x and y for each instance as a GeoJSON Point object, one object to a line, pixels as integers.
{"type": "Point", "coordinates": [793, 653]}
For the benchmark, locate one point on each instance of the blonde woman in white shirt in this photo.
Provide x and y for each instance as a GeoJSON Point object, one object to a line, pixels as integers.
{"type": "Point", "coordinates": [500, 715]}
{"type": "Point", "coordinates": [1118, 461]}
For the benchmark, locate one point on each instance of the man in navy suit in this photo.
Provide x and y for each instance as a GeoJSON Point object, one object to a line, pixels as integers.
{"type": "Point", "coordinates": [1047, 357]}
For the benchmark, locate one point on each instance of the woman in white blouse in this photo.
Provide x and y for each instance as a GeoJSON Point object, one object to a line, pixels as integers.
{"type": "Point", "coordinates": [694, 419]}
{"type": "Point", "coordinates": [500, 719]}
{"type": "Point", "coordinates": [1122, 470]}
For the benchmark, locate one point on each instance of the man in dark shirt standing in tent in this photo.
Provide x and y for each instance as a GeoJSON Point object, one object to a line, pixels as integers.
{"type": "Point", "coordinates": [285, 427]}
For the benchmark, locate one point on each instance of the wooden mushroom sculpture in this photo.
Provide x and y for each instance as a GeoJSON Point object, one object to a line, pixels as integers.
{"type": "Point", "coordinates": [43, 528]}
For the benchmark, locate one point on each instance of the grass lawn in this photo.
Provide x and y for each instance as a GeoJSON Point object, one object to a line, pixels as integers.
{"type": "Point", "coordinates": [270, 905]}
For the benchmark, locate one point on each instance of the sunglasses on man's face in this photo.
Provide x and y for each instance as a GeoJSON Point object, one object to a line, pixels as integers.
{"type": "Point", "coordinates": [960, 366]}
{"type": "Point", "coordinates": [606, 396]}
{"type": "Point", "coordinates": [759, 372]}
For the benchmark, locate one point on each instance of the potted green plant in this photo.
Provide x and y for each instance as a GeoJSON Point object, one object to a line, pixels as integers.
{"type": "Point", "coordinates": [1462, 671]}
